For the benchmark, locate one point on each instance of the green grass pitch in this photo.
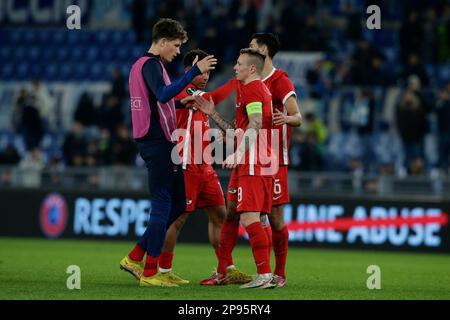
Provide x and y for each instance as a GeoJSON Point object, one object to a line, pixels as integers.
{"type": "Point", "coordinates": [36, 269]}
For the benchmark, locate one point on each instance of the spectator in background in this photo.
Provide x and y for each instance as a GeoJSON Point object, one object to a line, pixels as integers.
{"type": "Point", "coordinates": [75, 145]}
{"type": "Point", "coordinates": [411, 36]}
{"type": "Point", "coordinates": [443, 35]}
{"type": "Point", "coordinates": [22, 100]}
{"type": "Point", "coordinates": [243, 16]}
{"type": "Point", "coordinates": [417, 167]}
{"type": "Point", "coordinates": [315, 126]}
{"type": "Point", "coordinates": [86, 113]}
{"type": "Point", "coordinates": [430, 27]}
{"type": "Point", "coordinates": [411, 118]}
{"type": "Point", "coordinates": [443, 117]}
{"type": "Point", "coordinates": [317, 79]}
{"type": "Point", "coordinates": [123, 149]}
{"type": "Point", "coordinates": [305, 152]}
{"type": "Point", "coordinates": [354, 23]}
{"type": "Point", "coordinates": [361, 60]}
{"type": "Point", "coordinates": [44, 102]}
{"type": "Point", "coordinates": [380, 75]}
{"type": "Point", "coordinates": [32, 165]}
{"type": "Point", "coordinates": [415, 68]}
{"type": "Point", "coordinates": [104, 157]}
{"type": "Point", "coordinates": [110, 113]}
{"type": "Point", "coordinates": [32, 127]}
{"type": "Point", "coordinates": [363, 120]}
{"type": "Point", "coordinates": [118, 88]}
{"type": "Point", "coordinates": [138, 11]}
{"type": "Point", "coordinates": [9, 156]}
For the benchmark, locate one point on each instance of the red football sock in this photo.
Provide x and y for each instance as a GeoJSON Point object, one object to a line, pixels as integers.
{"type": "Point", "coordinates": [165, 260]}
{"type": "Point", "coordinates": [228, 239]}
{"type": "Point", "coordinates": [151, 266]}
{"type": "Point", "coordinates": [268, 231]}
{"type": "Point", "coordinates": [137, 254]}
{"type": "Point", "coordinates": [280, 247]}
{"type": "Point", "coordinates": [259, 243]}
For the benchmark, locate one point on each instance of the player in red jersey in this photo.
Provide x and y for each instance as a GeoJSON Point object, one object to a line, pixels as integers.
{"type": "Point", "coordinates": [286, 115]}
{"type": "Point", "coordinates": [203, 189]}
{"type": "Point", "coordinates": [252, 163]}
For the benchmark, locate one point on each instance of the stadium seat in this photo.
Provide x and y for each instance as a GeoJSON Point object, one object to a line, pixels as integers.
{"type": "Point", "coordinates": [59, 37]}
{"type": "Point", "coordinates": [7, 71]}
{"type": "Point", "coordinates": [6, 53]}
{"type": "Point", "coordinates": [34, 53]}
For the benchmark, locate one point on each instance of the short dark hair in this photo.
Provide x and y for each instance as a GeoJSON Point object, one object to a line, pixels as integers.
{"type": "Point", "coordinates": [270, 40]}
{"type": "Point", "coordinates": [256, 57]}
{"type": "Point", "coordinates": [189, 57]}
{"type": "Point", "coordinates": [169, 29]}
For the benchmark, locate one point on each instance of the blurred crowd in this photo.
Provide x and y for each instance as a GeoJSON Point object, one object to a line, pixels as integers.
{"type": "Point", "coordinates": [364, 140]}
{"type": "Point", "coordinates": [99, 136]}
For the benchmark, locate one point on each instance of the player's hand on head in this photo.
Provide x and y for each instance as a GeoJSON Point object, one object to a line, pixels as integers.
{"type": "Point", "coordinates": [195, 61]}
{"type": "Point", "coordinates": [207, 64]}
{"type": "Point", "coordinates": [205, 106]}
{"type": "Point", "coordinates": [279, 118]}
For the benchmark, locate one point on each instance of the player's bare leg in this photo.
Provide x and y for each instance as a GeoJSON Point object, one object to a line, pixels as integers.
{"type": "Point", "coordinates": [216, 217]}
{"type": "Point", "coordinates": [280, 238]}
{"type": "Point", "coordinates": [165, 260]}
{"type": "Point", "coordinates": [259, 243]}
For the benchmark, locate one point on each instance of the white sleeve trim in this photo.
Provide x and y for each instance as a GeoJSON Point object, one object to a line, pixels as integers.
{"type": "Point", "coordinates": [292, 93]}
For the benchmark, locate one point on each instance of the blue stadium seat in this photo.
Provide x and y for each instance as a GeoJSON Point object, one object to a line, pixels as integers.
{"type": "Point", "coordinates": [77, 53]}
{"type": "Point", "coordinates": [92, 54]}
{"type": "Point", "coordinates": [7, 71]}
{"type": "Point", "coordinates": [31, 37]}
{"type": "Point", "coordinates": [36, 71]}
{"type": "Point", "coordinates": [48, 53]}
{"type": "Point", "coordinates": [117, 38]}
{"type": "Point", "coordinates": [123, 54]}
{"type": "Point", "coordinates": [20, 53]}
{"type": "Point", "coordinates": [66, 72]}
{"type": "Point", "coordinates": [51, 72]}
{"type": "Point", "coordinates": [23, 71]}
{"type": "Point", "coordinates": [63, 54]}
{"type": "Point", "coordinates": [130, 37]}
{"type": "Point", "coordinates": [102, 37]}
{"type": "Point", "coordinates": [34, 53]}
{"type": "Point", "coordinates": [96, 71]}
{"type": "Point", "coordinates": [107, 54]}
{"type": "Point", "coordinates": [81, 71]}
{"type": "Point", "coordinates": [44, 36]}
{"type": "Point", "coordinates": [15, 36]}
{"type": "Point", "coordinates": [6, 53]}
{"type": "Point", "coordinates": [59, 37]}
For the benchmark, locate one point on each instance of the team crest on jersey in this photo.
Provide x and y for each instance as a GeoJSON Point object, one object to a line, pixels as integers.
{"type": "Point", "coordinates": [190, 91]}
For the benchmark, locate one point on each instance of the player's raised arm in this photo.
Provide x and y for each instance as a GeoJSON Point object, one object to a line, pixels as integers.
{"type": "Point", "coordinates": [208, 107]}
{"type": "Point", "coordinates": [153, 75]}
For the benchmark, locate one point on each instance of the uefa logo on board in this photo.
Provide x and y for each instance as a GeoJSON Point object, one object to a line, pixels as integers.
{"type": "Point", "coordinates": [53, 215]}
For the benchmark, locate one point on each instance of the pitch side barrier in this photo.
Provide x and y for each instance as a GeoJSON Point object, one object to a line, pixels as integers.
{"type": "Point", "coordinates": [362, 222]}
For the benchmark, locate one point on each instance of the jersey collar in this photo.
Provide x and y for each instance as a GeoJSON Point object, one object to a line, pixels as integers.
{"type": "Point", "coordinates": [270, 74]}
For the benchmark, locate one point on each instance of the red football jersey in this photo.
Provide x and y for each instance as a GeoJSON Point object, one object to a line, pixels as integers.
{"type": "Point", "coordinates": [260, 156]}
{"type": "Point", "coordinates": [281, 89]}
{"type": "Point", "coordinates": [191, 146]}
